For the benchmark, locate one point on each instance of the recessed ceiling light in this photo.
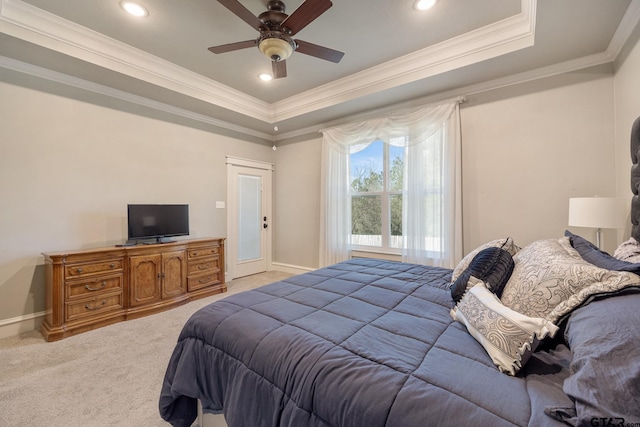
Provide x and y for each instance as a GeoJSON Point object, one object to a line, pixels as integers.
{"type": "Point", "coordinates": [134, 8]}
{"type": "Point", "coordinates": [265, 77]}
{"type": "Point", "coordinates": [424, 4]}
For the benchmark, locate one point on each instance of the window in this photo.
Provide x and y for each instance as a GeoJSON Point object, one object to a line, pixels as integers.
{"type": "Point", "coordinates": [364, 206]}
{"type": "Point", "coordinates": [376, 177]}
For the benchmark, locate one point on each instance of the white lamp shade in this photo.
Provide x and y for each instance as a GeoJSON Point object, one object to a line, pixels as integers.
{"type": "Point", "coordinates": [597, 212]}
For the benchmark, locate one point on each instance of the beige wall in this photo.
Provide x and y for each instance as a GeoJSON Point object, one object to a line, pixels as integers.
{"type": "Point", "coordinates": [526, 150]}
{"type": "Point", "coordinates": [69, 164]}
{"type": "Point", "coordinates": [297, 203]}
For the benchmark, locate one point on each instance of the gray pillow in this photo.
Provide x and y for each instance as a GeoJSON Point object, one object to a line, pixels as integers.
{"type": "Point", "coordinates": [605, 371]}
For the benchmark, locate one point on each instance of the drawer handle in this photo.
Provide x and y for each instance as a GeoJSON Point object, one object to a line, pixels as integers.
{"type": "Point", "coordinates": [112, 265]}
{"type": "Point", "coordinates": [89, 288]}
{"type": "Point", "coordinates": [102, 304]}
{"type": "Point", "coordinates": [208, 279]}
{"type": "Point", "coordinates": [204, 267]}
{"type": "Point", "coordinates": [79, 270]}
{"type": "Point", "coordinates": [195, 253]}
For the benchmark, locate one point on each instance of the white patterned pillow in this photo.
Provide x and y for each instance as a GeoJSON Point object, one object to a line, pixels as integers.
{"type": "Point", "coordinates": [508, 336]}
{"type": "Point", "coordinates": [628, 251]}
{"type": "Point", "coordinates": [550, 279]}
{"type": "Point", "coordinates": [506, 244]}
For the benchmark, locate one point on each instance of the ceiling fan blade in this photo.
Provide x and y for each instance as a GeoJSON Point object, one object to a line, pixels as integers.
{"type": "Point", "coordinates": [232, 46]}
{"type": "Point", "coordinates": [242, 12]}
{"type": "Point", "coordinates": [319, 51]}
{"type": "Point", "coordinates": [305, 14]}
{"type": "Point", "coordinates": [279, 69]}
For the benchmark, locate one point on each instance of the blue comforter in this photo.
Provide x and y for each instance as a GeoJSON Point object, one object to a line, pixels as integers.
{"type": "Point", "coordinates": [362, 343]}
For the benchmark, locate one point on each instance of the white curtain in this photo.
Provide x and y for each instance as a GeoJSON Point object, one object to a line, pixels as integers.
{"type": "Point", "coordinates": [431, 193]}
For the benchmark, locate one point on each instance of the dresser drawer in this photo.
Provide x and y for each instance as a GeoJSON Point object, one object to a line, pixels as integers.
{"type": "Point", "coordinates": [97, 285]}
{"type": "Point", "coordinates": [90, 307]}
{"type": "Point", "coordinates": [204, 251]}
{"type": "Point", "coordinates": [210, 264]}
{"type": "Point", "coordinates": [87, 269]}
{"type": "Point", "coordinates": [203, 280]}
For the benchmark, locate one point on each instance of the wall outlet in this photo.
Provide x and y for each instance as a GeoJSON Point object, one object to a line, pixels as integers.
{"type": "Point", "coordinates": [220, 204]}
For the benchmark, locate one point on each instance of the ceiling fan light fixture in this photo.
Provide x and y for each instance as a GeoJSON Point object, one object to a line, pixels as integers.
{"type": "Point", "coordinates": [424, 4]}
{"type": "Point", "coordinates": [265, 77]}
{"type": "Point", "coordinates": [133, 8]}
{"type": "Point", "coordinates": [276, 48]}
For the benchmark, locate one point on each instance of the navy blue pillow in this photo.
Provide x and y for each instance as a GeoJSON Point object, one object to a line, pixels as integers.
{"type": "Point", "coordinates": [491, 265]}
{"type": "Point", "coordinates": [590, 253]}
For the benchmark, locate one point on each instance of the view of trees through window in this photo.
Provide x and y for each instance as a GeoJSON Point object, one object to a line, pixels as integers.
{"type": "Point", "coordinates": [376, 200]}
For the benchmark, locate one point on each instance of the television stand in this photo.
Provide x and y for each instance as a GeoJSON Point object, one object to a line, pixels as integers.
{"type": "Point", "coordinates": [89, 288]}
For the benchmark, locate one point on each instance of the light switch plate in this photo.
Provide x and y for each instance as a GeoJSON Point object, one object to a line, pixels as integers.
{"type": "Point", "coordinates": [220, 204]}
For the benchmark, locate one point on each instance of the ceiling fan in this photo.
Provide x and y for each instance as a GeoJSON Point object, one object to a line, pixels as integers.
{"type": "Point", "coordinates": [276, 30]}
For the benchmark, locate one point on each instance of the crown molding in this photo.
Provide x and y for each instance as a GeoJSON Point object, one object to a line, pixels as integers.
{"type": "Point", "coordinates": [623, 32]}
{"type": "Point", "coordinates": [29, 23]}
{"type": "Point", "coordinates": [65, 79]}
{"type": "Point", "coordinates": [22, 20]}
{"type": "Point", "coordinates": [505, 36]}
{"type": "Point", "coordinates": [515, 79]}
{"type": "Point", "coordinates": [627, 25]}
{"type": "Point", "coordinates": [32, 24]}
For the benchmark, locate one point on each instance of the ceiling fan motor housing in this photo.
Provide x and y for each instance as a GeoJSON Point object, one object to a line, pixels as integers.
{"type": "Point", "coordinates": [274, 16]}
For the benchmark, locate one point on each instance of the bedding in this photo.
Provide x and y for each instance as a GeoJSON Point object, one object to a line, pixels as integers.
{"type": "Point", "coordinates": [605, 368]}
{"type": "Point", "coordinates": [368, 343]}
{"type": "Point", "coordinates": [590, 253]}
{"type": "Point", "coordinates": [360, 343]}
{"type": "Point", "coordinates": [550, 279]}
{"type": "Point", "coordinates": [508, 336]}
{"type": "Point", "coordinates": [506, 244]}
{"type": "Point", "coordinates": [628, 251]}
{"type": "Point", "coordinates": [493, 266]}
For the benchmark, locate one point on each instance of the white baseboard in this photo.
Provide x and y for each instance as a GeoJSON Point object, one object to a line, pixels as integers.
{"type": "Point", "coordinates": [18, 325]}
{"type": "Point", "coordinates": [288, 268]}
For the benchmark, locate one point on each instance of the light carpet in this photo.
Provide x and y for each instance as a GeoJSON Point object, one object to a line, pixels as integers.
{"type": "Point", "coordinates": [107, 377]}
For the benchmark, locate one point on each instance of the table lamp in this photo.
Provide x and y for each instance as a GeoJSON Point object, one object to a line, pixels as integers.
{"type": "Point", "coordinates": [598, 213]}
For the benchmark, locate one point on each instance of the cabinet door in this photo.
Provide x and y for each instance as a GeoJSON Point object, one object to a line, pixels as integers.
{"type": "Point", "coordinates": [174, 274]}
{"type": "Point", "coordinates": [145, 278]}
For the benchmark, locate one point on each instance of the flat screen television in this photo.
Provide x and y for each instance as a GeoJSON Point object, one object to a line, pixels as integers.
{"type": "Point", "coordinates": [157, 222]}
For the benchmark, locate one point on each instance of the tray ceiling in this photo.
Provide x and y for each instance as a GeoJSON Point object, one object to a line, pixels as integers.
{"type": "Point", "coordinates": [393, 54]}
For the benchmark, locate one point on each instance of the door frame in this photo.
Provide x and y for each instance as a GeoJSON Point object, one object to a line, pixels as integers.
{"type": "Point", "coordinates": [233, 163]}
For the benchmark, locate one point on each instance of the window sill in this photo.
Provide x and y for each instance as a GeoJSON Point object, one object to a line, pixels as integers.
{"type": "Point", "coordinates": [368, 253]}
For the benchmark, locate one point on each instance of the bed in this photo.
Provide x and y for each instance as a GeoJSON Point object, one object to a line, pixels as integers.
{"type": "Point", "coordinates": [543, 335]}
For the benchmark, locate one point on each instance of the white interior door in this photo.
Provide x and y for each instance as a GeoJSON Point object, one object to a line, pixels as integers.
{"type": "Point", "coordinates": [248, 217]}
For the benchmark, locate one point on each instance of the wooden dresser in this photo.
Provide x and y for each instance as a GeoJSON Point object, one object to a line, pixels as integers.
{"type": "Point", "coordinates": [91, 288]}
